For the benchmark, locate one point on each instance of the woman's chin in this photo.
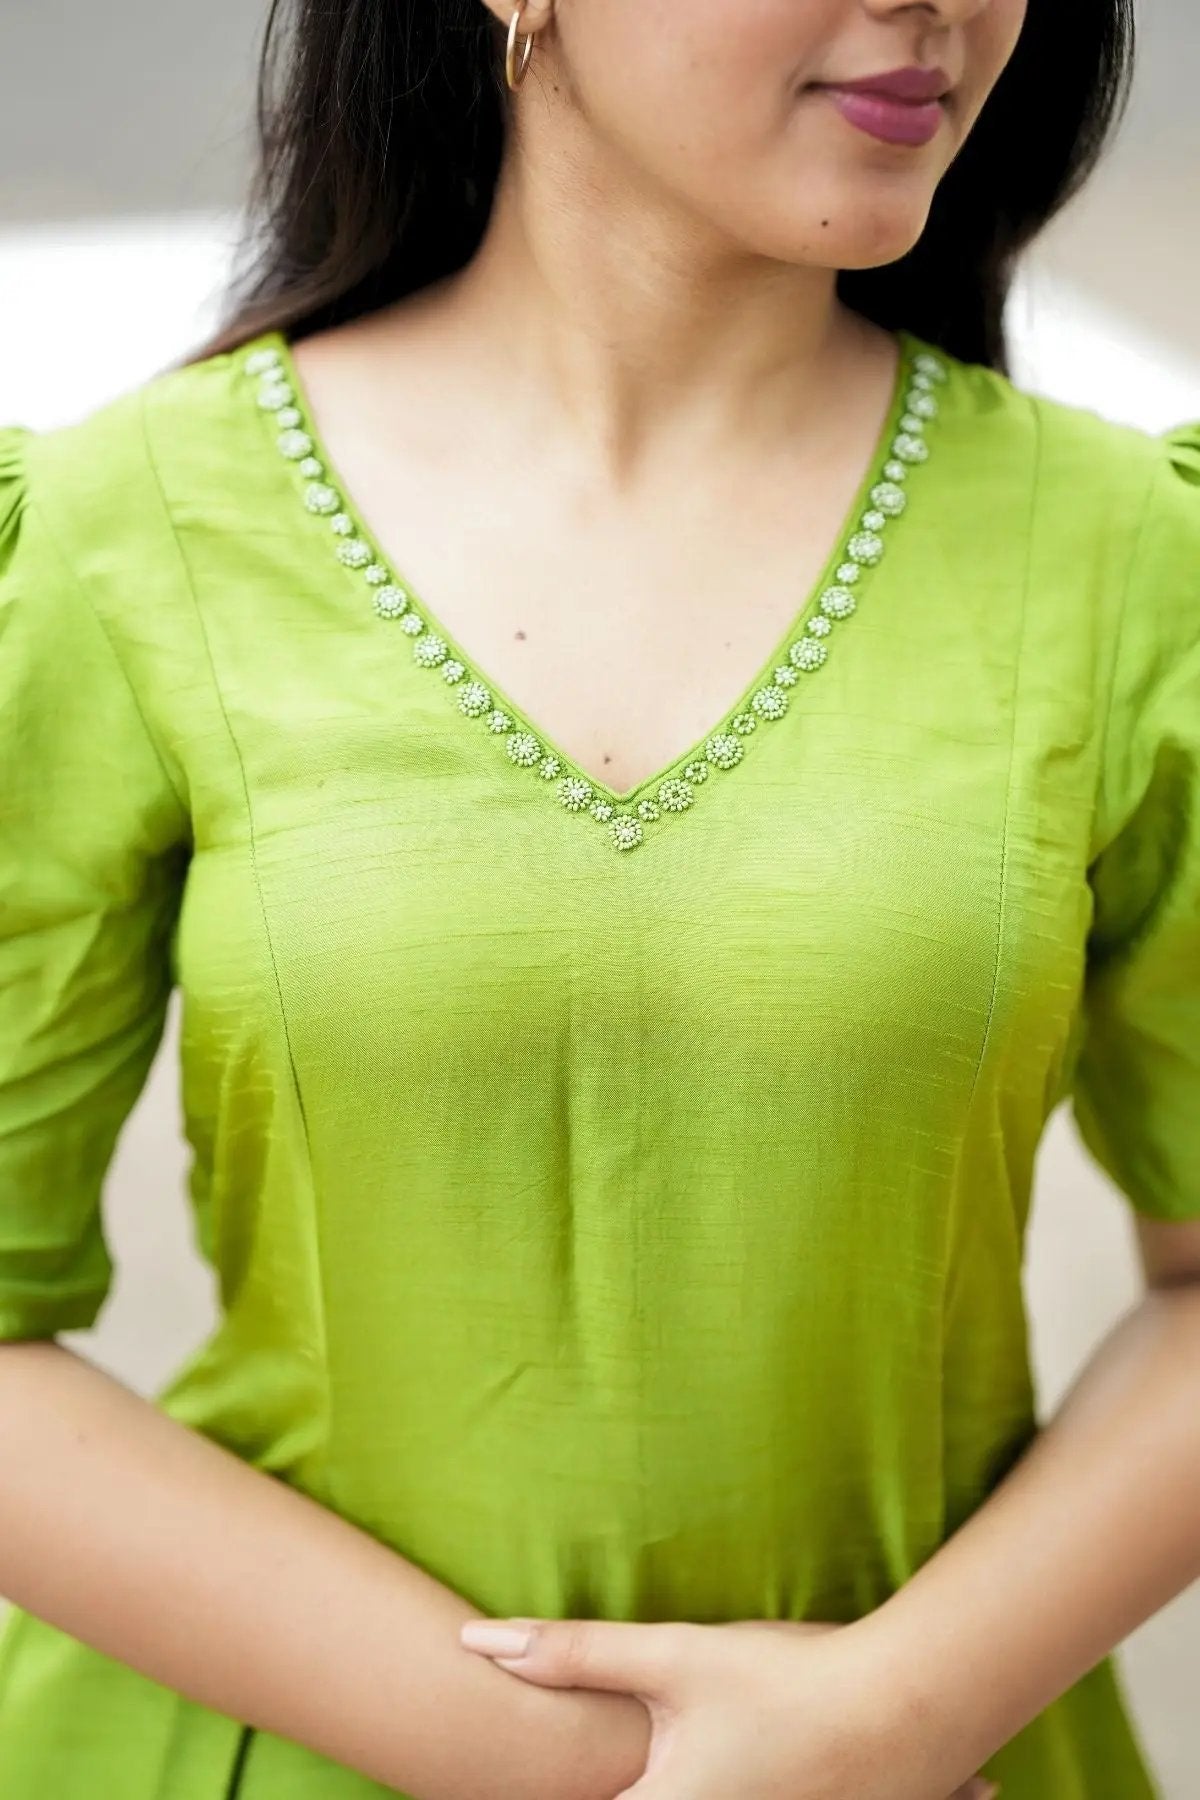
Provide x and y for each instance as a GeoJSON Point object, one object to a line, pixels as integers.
{"type": "Point", "coordinates": [865, 228]}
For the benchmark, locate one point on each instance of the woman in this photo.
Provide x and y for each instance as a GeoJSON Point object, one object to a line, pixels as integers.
{"type": "Point", "coordinates": [653, 766]}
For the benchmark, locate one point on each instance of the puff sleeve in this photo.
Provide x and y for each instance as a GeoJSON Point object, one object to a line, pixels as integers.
{"type": "Point", "coordinates": [91, 860]}
{"type": "Point", "coordinates": [1136, 1086]}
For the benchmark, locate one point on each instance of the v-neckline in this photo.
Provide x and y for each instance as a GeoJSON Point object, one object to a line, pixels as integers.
{"type": "Point", "coordinates": [284, 404]}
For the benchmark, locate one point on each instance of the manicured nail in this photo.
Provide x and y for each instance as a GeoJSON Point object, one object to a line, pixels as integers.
{"type": "Point", "coordinates": [496, 1640]}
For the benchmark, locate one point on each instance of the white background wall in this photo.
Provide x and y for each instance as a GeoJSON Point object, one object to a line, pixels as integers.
{"type": "Point", "coordinates": [123, 146]}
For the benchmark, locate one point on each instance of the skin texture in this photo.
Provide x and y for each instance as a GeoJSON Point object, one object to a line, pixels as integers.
{"type": "Point", "coordinates": [695, 118]}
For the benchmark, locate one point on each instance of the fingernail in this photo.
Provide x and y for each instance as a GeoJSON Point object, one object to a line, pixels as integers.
{"type": "Point", "coordinates": [496, 1640]}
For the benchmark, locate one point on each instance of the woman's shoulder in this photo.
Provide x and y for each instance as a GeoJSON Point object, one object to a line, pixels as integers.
{"type": "Point", "coordinates": [115, 471]}
{"type": "Point", "coordinates": [1116, 501]}
{"type": "Point", "coordinates": [102, 518]}
{"type": "Point", "coordinates": [1067, 442]}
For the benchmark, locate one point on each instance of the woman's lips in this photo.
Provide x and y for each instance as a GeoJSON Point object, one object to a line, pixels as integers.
{"type": "Point", "coordinates": [883, 116]}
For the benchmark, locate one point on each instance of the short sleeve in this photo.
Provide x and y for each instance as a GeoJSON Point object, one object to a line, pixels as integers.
{"type": "Point", "coordinates": [92, 851]}
{"type": "Point", "coordinates": [1136, 1083]}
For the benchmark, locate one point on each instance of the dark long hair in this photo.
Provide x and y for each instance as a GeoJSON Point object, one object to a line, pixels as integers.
{"type": "Point", "coordinates": [381, 125]}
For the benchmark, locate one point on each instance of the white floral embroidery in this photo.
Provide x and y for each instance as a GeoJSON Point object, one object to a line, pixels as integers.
{"type": "Point", "coordinates": [574, 793]}
{"type": "Point", "coordinates": [390, 602]}
{"type": "Point", "coordinates": [724, 749]}
{"type": "Point", "coordinates": [474, 699]}
{"type": "Point", "coordinates": [808, 653]}
{"type": "Point", "coordinates": [770, 702]}
{"type": "Point", "coordinates": [430, 649]}
{"type": "Point", "coordinates": [320, 498]}
{"type": "Point", "coordinates": [889, 498]}
{"type": "Point", "coordinates": [675, 794]}
{"type": "Point", "coordinates": [259, 361]}
{"type": "Point", "coordinates": [909, 448]}
{"type": "Point", "coordinates": [865, 547]}
{"type": "Point", "coordinates": [626, 831]}
{"type": "Point", "coordinates": [524, 748]}
{"type": "Point", "coordinates": [274, 394]}
{"type": "Point", "coordinates": [294, 444]}
{"type": "Point", "coordinates": [837, 602]}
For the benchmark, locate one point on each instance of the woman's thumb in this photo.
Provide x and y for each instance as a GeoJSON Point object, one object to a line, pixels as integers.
{"type": "Point", "coordinates": [587, 1653]}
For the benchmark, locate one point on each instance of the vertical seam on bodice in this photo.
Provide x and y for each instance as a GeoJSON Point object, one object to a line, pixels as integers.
{"type": "Point", "coordinates": [251, 838]}
{"type": "Point", "coordinates": [1018, 662]}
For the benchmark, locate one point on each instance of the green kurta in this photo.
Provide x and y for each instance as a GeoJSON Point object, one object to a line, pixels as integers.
{"type": "Point", "coordinates": [618, 1199]}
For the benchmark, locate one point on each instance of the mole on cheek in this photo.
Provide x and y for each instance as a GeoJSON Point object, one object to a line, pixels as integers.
{"type": "Point", "coordinates": [519, 634]}
{"type": "Point", "coordinates": [824, 222]}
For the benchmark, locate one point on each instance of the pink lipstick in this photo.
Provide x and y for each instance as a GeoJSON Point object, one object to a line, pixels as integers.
{"type": "Point", "coordinates": [900, 106]}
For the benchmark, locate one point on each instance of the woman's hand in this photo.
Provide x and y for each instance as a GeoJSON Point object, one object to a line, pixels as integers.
{"type": "Point", "coordinates": [768, 1709]}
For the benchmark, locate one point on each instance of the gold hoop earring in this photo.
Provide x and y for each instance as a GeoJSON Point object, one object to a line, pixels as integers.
{"type": "Point", "coordinates": [514, 72]}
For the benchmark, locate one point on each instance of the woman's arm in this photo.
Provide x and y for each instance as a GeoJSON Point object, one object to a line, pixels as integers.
{"type": "Point", "coordinates": [164, 1550]}
{"type": "Point", "coordinates": [1094, 1529]}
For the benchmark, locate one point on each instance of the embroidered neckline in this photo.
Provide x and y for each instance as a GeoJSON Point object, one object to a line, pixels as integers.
{"type": "Point", "coordinates": [880, 499]}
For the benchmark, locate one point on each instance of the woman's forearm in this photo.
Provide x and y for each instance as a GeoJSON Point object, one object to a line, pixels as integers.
{"type": "Point", "coordinates": [1094, 1529]}
{"type": "Point", "coordinates": [160, 1548]}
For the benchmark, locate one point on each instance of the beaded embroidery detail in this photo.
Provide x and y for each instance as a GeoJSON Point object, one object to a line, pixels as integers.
{"type": "Point", "coordinates": [676, 790]}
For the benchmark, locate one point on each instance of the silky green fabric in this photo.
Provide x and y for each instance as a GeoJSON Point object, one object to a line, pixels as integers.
{"type": "Point", "coordinates": [628, 1233]}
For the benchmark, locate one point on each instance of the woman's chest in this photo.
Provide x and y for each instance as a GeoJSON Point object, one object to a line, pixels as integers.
{"type": "Point", "coordinates": [880, 885]}
{"type": "Point", "coordinates": [619, 616]}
